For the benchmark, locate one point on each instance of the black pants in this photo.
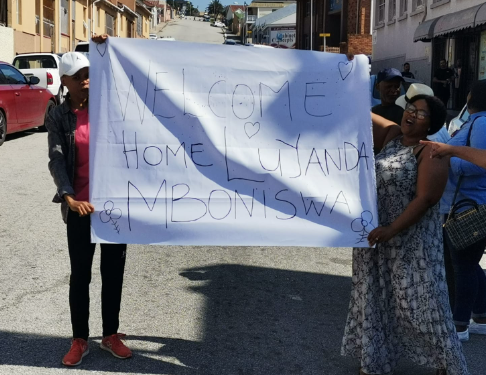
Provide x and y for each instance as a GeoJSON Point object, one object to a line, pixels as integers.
{"type": "Point", "coordinates": [112, 267]}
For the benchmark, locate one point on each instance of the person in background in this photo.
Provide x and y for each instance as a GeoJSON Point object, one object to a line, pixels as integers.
{"type": "Point", "coordinates": [388, 83]}
{"type": "Point", "coordinates": [406, 71]}
{"type": "Point", "coordinates": [68, 142]}
{"type": "Point", "coordinates": [466, 279]}
{"type": "Point", "coordinates": [399, 308]}
{"type": "Point", "coordinates": [442, 82]}
{"type": "Point", "coordinates": [458, 83]}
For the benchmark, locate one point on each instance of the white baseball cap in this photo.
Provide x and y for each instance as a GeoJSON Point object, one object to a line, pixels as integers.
{"type": "Point", "coordinates": [71, 63]}
{"type": "Point", "coordinates": [414, 90]}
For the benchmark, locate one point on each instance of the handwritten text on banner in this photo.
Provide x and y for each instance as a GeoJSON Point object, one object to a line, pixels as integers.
{"type": "Point", "coordinates": [196, 144]}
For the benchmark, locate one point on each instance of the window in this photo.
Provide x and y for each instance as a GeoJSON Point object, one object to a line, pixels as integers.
{"type": "Point", "coordinates": [139, 24]}
{"type": "Point", "coordinates": [380, 12]}
{"type": "Point", "coordinates": [13, 76]}
{"type": "Point", "coordinates": [85, 25]}
{"type": "Point", "coordinates": [37, 16]}
{"type": "Point", "coordinates": [129, 29]}
{"type": "Point", "coordinates": [308, 7]}
{"type": "Point", "coordinates": [65, 17]}
{"type": "Point", "coordinates": [35, 62]}
{"type": "Point", "coordinates": [121, 25]}
{"type": "Point", "coordinates": [98, 16]}
{"type": "Point", "coordinates": [417, 5]}
{"type": "Point", "coordinates": [403, 7]}
{"type": "Point", "coordinates": [392, 10]}
{"type": "Point", "coordinates": [18, 11]}
{"type": "Point", "coordinates": [73, 10]}
{"type": "Point", "coordinates": [109, 21]}
{"type": "Point", "coordinates": [48, 21]}
{"type": "Point", "coordinates": [3, 13]}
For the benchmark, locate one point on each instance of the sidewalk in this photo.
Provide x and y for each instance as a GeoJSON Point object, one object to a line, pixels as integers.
{"type": "Point", "coordinates": [157, 29]}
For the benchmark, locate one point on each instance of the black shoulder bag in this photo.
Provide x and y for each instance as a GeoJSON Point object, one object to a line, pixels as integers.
{"type": "Point", "coordinates": [467, 227]}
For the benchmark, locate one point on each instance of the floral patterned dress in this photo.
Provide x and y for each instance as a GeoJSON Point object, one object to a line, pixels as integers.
{"type": "Point", "coordinates": [399, 304]}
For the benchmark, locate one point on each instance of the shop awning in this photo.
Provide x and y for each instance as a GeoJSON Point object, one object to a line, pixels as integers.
{"type": "Point", "coordinates": [425, 31]}
{"type": "Point", "coordinates": [481, 15]}
{"type": "Point", "coordinates": [457, 21]}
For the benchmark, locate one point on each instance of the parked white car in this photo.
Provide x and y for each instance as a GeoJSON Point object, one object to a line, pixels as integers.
{"type": "Point", "coordinates": [219, 24]}
{"type": "Point", "coordinates": [153, 36]}
{"type": "Point", "coordinates": [44, 66]}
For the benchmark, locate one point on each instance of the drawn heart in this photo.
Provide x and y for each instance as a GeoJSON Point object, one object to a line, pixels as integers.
{"type": "Point", "coordinates": [101, 49]}
{"type": "Point", "coordinates": [345, 68]}
{"type": "Point", "coordinates": [251, 129]}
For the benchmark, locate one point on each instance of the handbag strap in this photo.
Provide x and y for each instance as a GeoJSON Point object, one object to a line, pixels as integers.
{"type": "Point", "coordinates": [468, 143]}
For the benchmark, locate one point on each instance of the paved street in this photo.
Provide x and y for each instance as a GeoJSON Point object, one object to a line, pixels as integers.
{"type": "Point", "coordinates": [192, 31]}
{"type": "Point", "coordinates": [187, 310]}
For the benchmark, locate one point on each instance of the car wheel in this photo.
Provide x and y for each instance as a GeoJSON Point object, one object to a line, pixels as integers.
{"type": "Point", "coordinates": [50, 106]}
{"type": "Point", "coordinates": [3, 128]}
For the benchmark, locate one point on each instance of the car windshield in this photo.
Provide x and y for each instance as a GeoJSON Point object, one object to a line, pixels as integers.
{"type": "Point", "coordinates": [82, 48]}
{"type": "Point", "coordinates": [35, 62]}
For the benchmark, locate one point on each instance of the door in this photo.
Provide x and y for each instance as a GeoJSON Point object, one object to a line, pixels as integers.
{"type": "Point", "coordinates": [27, 99]}
{"type": "Point", "coordinates": [7, 103]}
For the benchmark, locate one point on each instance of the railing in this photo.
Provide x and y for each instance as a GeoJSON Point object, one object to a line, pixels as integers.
{"type": "Point", "coordinates": [251, 18]}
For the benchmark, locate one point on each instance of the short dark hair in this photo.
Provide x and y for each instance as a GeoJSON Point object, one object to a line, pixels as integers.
{"type": "Point", "coordinates": [478, 94]}
{"type": "Point", "coordinates": [407, 63]}
{"type": "Point", "coordinates": [438, 111]}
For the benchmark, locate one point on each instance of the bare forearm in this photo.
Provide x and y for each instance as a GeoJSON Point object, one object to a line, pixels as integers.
{"type": "Point", "coordinates": [470, 154]}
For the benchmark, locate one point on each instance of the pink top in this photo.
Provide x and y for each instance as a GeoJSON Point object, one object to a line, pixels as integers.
{"type": "Point", "coordinates": [81, 140]}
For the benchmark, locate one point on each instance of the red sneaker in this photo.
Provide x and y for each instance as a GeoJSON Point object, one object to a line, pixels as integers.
{"type": "Point", "coordinates": [79, 348]}
{"type": "Point", "coordinates": [115, 346]}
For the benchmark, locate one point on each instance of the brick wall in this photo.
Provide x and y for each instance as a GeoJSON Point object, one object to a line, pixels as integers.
{"type": "Point", "coordinates": [360, 44]}
{"type": "Point", "coordinates": [363, 19]}
{"type": "Point", "coordinates": [7, 43]}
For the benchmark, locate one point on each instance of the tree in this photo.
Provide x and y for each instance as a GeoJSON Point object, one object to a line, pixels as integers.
{"type": "Point", "coordinates": [216, 8]}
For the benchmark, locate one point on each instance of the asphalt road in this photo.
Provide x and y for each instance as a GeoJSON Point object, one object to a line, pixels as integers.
{"type": "Point", "coordinates": [187, 310]}
{"type": "Point", "coordinates": [188, 30]}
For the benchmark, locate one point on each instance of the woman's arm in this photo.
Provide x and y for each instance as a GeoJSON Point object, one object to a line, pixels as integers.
{"type": "Point", "coordinates": [383, 131]}
{"type": "Point", "coordinates": [470, 154]}
{"type": "Point", "coordinates": [431, 182]}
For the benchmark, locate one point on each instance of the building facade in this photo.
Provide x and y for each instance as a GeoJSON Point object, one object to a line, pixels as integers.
{"type": "Point", "coordinates": [276, 29]}
{"type": "Point", "coordinates": [346, 24]}
{"type": "Point", "coordinates": [57, 26]}
{"type": "Point", "coordinates": [256, 10]}
{"type": "Point", "coordinates": [422, 33]}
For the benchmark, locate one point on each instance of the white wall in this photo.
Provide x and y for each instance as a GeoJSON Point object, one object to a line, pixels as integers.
{"type": "Point", "coordinates": [394, 42]}
{"type": "Point", "coordinates": [7, 43]}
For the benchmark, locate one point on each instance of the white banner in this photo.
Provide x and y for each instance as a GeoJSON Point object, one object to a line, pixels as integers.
{"type": "Point", "coordinates": [198, 144]}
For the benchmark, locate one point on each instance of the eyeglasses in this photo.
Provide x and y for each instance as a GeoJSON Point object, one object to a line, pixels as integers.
{"type": "Point", "coordinates": [420, 114]}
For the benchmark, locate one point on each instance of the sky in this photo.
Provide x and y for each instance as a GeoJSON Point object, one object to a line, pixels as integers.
{"type": "Point", "coordinates": [202, 4]}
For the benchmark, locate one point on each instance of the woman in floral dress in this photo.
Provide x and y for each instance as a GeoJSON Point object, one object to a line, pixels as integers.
{"type": "Point", "coordinates": [399, 306]}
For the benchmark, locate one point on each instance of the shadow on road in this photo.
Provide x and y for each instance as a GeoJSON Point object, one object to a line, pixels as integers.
{"type": "Point", "coordinates": [256, 321]}
{"type": "Point", "coordinates": [26, 133]}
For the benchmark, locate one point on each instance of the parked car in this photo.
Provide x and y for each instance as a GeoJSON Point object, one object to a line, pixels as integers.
{"type": "Point", "coordinates": [16, 93]}
{"type": "Point", "coordinates": [232, 42]}
{"type": "Point", "coordinates": [82, 47]}
{"type": "Point", "coordinates": [457, 121]}
{"type": "Point", "coordinates": [218, 24]}
{"type": "Point", "coordinates": [167, 39]}
{"type": "Point", "coordinates": [44, 66]}
{"type": "Point", "coordinates": [153, 36]}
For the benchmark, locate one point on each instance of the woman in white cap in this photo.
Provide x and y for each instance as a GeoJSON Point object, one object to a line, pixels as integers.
{"type": "Point", "coordinates": [399, 307]}
{"type": "Point", "coordinates": [68, 140]}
